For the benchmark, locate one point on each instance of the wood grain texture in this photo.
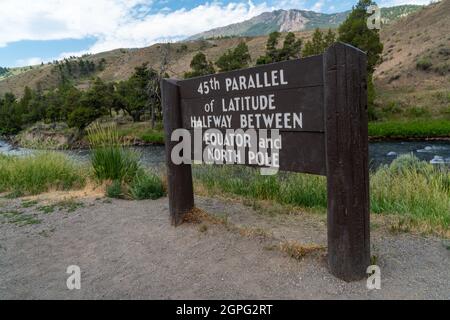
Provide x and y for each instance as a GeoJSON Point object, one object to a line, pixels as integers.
{"type": "Point", "coordinates": [308, 101]}
{"type": "Point", "coordinates": [179, 177]}
{"type": "Point", "coordinates": [347, 161]}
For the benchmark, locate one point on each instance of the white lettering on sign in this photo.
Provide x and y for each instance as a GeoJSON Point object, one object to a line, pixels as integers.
{"type": "Point", "coordinates": [267, 79]}
{"type": "Point", "coordinates": [272, 121]}
{"type": "Point", "coordinates": [263, 102]}
{"type": "Point", "coordinates": [211, 121]}
{"type": "Point", "coordinates": [206, 87]}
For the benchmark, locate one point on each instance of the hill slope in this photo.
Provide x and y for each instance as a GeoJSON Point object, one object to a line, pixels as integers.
{"type": "Point", "coordinates": [421, 35]}
{"type": "Point", "coordinates": [413, 81]}
{"type": "Point", "coordinates": [120, 63]}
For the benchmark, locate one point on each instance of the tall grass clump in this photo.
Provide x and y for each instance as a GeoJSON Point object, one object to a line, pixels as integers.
{"type": "Point", "coordinates": [408, 188]}
{"type": "Point", "coordinates": [146, 185]}
{"type": "Point", "coordinates": [412, 189]}
{"type": "Point", "coordinates": [110, 159]}
{"type": "Point", "coordinates": [42, 172]}
{"type": "Point", "coordinates": [286, 188]}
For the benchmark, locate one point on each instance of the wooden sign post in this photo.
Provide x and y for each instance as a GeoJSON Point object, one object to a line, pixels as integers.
{"type": "Point", "coordinates": [318, 105]}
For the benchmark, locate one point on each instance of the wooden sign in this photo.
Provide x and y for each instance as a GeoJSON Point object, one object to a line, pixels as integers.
{"type": "Point", "coordinates": [319, 107]}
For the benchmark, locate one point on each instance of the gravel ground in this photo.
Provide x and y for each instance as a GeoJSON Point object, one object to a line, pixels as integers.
{"type": "Point", "coordinates": [128, 250]}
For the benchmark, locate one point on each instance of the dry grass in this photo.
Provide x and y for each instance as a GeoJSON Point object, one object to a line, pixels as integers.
{"type": "Point", "coordinates": [198, 216]}
{"type": "Point", "coordinates": [299, 251]}
{"type": "Point", "coordinates": [91, 190]}
{"type": "Point", "coordinates": [418, 35]}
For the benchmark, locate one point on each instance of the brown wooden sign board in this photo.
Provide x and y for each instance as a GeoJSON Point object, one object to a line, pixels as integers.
{"type": "Point", "coordinates": [319, 106]}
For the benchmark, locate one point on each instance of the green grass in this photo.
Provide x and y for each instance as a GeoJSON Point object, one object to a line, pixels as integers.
{"type": "Point", "coordinates": [410, 129]}
{"type": "Point", "coordinates": [18, 218]}
{"type": "Point", "coordinates": [47, 209]}
{"type": "Point", "coordinates": [114, 163]}
{"type": "Point", "coordinates": [153, 137]}
{"type": "Point", "coordinates": [301, 190]}
{"type": "Point", "coordinates": [146, 185]}
{"type": "Point", "coordinates": [114, 190]}
{"type": "Point", "coordinates": [408, 188]}
{"type": "Point", "coordinates": [110, 159]}
{"type": "Point", "coordinates": [29, 203]}
{"type": "Point", "coordinates": [34, 174]}
{"type": "Point", "coordinates": [69, 205]}
{"type": "Point", "coordinates": [142, 131]}
{"type": "Point", "coordinates": [424, 64]}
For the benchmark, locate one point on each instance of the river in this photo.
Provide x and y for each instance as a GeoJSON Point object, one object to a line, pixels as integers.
{"type": "Point", "coordinates": [435, 152]}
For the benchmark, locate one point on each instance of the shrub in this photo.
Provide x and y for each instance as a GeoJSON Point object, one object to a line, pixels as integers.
{"type": "Point", "coordinates": [408, 163]}
{"type": "Point", "coordinates": [114, 163]}
{"type": "Point", "coordinates": [146, 186]}
{"type": "Point", "coordinates": [394, 78]}
{"type": "Point", "coordinates": [418, 112]}
{"type": "Point", "coordinates": [110, 160]}
{"type": "Point", "coordinates": [81, 117]}
{"type": "Point", "coordinates": [446, 111]}
{"type": "Point", "coordinates": [393, 107]}
{"type": "Point", "coordinates": [444, 51]}
{"type": "Point", "coordinates": [442, 69]}
{"type": "Point", "coordinates": [424, 64]}
{"type": "Point", "coordinates": [114, 190]}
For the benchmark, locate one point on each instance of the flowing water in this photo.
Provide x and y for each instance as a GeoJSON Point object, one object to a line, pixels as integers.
{"type": "Point", "coordinates": [435, 152]}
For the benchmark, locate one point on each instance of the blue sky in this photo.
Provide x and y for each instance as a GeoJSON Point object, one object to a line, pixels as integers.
{"type": "Point", "coordinates": [35, 31]}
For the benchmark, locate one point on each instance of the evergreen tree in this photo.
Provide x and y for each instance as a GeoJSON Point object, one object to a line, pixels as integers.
{"type": "Point", "coordinates": [354, 31]}
{"type": "Point", "coordinates": [10, 117]}
{"type": "Point", "coordinates": [238, 58]}
{"type": "Point", "coordinates": [319, 43]}
{"type": "Point", "coordinates": [329, 38]}
{"type": "Point", "coordinates": [200, 67]}
{"type": "Point", "coordinates": [291, 49]}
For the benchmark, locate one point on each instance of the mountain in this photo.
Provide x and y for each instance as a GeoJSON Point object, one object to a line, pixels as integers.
{"type": "Point", "coordinates": [295, 20]}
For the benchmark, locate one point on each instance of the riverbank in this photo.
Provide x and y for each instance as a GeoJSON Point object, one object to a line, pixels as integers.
{"type": "Point", "coordinates": [437, 130]}
{"type": "Point", "coordinates": [59, 137]}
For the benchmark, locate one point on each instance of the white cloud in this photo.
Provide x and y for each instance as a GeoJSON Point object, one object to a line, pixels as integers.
{"type": "Point", "coordinates": [318, 6]}
{"type": "Point", "coordinates": [114, 23]}
{"type": "Point", "coordinates": [128, 23]}
{"type": "Point", "coordinates": [29, 61]}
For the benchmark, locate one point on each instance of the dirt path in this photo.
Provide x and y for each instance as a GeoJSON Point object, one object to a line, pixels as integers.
{"type": "Point", "coordinates": [129, 250]}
